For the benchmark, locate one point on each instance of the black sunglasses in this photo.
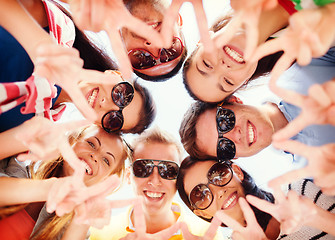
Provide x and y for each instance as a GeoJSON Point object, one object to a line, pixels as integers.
{"type": "Point", "coordinates": [143, 168]}
{"type": "Point", "coordinates": [142, 59]}
{"type": "Point", "coordinates": [201, 196]}
{"type": "Point", "coordinates": [122, 95]}
{"type": "Point", "coordinates": [225, 122]}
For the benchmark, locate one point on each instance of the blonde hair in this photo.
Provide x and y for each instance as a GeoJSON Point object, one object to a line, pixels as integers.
{"type": "Point", "coordinates": [54, 226]}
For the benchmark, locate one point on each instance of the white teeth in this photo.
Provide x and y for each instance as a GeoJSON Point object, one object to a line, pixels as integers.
{"type": "Point", "coordinates": [229, 201]}
{"type": "Point", "coordinates": [92, 97]}
{"type": "Point", "coordinates": [154, 194]}
{"type": "Point", "coordinates": [235, 55]}
{"type": "Point", "coordinates": [251, 134]}
{"type": "Point", "coordinates": [88, 169]}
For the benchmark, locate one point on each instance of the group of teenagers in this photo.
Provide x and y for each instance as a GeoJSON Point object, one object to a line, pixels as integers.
{"type": "Point", "coordinates": [56, 173]}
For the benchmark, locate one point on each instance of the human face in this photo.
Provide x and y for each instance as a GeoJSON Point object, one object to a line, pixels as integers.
{"type": "Point", "coordinates": [224, 198]}
{"type": "Point", "coordinates": [101, 152]}
{"type": "Point", "coordinates": [152, 14]}
{"type": "Point", "coordinates": [157, 192]}
{"type": "Point", "coordinates": [212, 78]}
{"type": "Point", "coordinates": [99, 96]}
{"type": "Point", "coordinates": [252, 132]}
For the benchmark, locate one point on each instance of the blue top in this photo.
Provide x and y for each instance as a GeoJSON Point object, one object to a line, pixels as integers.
{"type": "Point", "coordinates": [300, 78]}
{"type": "Point", "coordinates": [15, 65]}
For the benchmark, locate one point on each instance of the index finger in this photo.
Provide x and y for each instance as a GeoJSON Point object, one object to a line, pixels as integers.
{"type": "Point", "coordinates": [230, 222]}
{"type": "Point", "coordinates": [213, 227]}
{"type": "Point", "coordinates": [261, 204]}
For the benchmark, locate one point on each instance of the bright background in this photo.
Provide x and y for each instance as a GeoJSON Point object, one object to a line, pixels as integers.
{"type": "Point", "coordinates": [172, 101]}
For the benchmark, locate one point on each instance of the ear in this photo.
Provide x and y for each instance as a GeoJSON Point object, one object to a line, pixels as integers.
{"type": "Point", "coordinates": [180, 20]}
{"type": "Point", "coordinates": [237, 170]}
{"type": "Point", "coordinates": [202, 213]}
{"type": "Point", "coordinates": [128, 175]}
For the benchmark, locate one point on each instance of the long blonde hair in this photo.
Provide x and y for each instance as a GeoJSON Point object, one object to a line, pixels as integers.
{"type": "Point", "coordinates": [52, 227]}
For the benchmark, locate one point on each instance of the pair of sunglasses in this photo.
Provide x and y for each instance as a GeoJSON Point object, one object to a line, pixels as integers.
{"type": "Point", "coordinates": [225, 122]}
{"type": "Point", "coordinates": [142, 59]}
{"type": "Point", "coordinates": [143, 168]}
{"type": "Point", "coordinates": [122, 95]}
{"type": "Point", "coordinates": [201, 196]}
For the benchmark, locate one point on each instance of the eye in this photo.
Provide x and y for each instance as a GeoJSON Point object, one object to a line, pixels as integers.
{"type": "Point", "coordinates": [229, 82]}
{"type": "Point", "coordinates": [207, 65]}
{"type": "Point", "coordinates": [106, 161]}
{"type": "Point", "coordinates": [91, 144]}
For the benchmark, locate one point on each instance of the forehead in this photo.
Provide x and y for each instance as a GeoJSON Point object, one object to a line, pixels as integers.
{"type": "Point", "coordinates": [157, 151]}
{"type": "Point", "coordinates": [148, 10]}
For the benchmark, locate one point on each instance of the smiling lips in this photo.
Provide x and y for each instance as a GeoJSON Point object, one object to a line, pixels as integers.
{"type": "Point", "coordinates": [234, 54]}
{"type": "Point", "coordinates": [92, 97]}
{"type": "Point", "coordinates": [153, 195]}
{"type": "Point", "coordinates": [251, 137]}
{"type": "Point", "coordinates": [230, 201]}
{"type": "Point", "coordinates": [88, 169]}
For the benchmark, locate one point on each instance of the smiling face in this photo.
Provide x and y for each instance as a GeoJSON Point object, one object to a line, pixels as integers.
{"type": "Point", "coordinates": [252, 132]}
{"type": "Point", "coordinates": [152, 13]}
{"type": "Point", "coordinates": [224, 198]}
{"type": "Point", "coordinates": [221, 74]}
{"type": "Point", "coordinates": [102, 154]}
{"type": "Point", "coordinates": [157, 192]}
{"type": "Point", "coordinates": [99, 96]}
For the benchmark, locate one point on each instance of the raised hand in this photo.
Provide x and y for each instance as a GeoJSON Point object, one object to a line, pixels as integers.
{"type": "Point", "coordinates": [47, 140]}
{"type": "Point", "coordinates": [111, 16]}
{"type": "Point", "coordinates": [292, 211]}
{"type": "Point", "coordinates": [318, 107]}
{"type": "Point", "coordinates": [246, 13]}
{"type": "Point", "coordinates": [69, 192]}
{"type": "Point", "coordinates": [96, 211]}
{"type": "Point", "coordinates": [308, 35]}
{"type": "Point", "coordinates": [321, 165]}
{"type": "Point", "coordinates": [252, 230]}
{"type": "Point", "coordinates": [140, 225]}
{"type": "Point", "coordinates": [171, 16]}
{"type": "Point", "coordinates": [210, 233]}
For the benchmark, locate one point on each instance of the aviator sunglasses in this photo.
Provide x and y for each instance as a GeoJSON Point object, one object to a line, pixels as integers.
{"type": "Point", "coordinates": [143, 168]}
{"type": "Point", "coordinates": [225, 122]}
{"type": "Point", "coordinates": [142, 59]}
{"type": "Point", "coordinates": [201, 197]}
{"type": "Point", "coordinates": [122, 95]}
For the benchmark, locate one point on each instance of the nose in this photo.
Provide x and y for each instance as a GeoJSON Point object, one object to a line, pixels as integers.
{"type": "Point", "coordinates": [219, 192]}
{"type": "Point", "coordinates": [93, 157]}
{"type": "Point", "coordinates": [235, 134]}
{"type": "Point", "coordinates": [154, 179]}
{"type": "Point", "coordinates": [152, 49]}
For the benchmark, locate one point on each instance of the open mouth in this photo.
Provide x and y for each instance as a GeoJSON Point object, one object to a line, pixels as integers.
{"type": "Point", "coordinates": [230, 201]}
{"type": "Point", "coordinates": [234, 54]}
{"type": "Point", "coordinates": [251, 136]}
{"type": "Point", "coordinates": [92, 97]}
{"type": "Point", "coordinates": [156, 196]}
{"type": "Point", "coordinates": [88, 169]}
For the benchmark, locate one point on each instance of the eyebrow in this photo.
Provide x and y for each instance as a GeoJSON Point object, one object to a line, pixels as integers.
{"type": "Point", "coordinates": [201, 72]}
{"type": "Point", "coordinates": [111, 155]}
{"type": "Point", "coordinates": [98, 140]}
{"type": "Point", "coordinates": [221, 88]}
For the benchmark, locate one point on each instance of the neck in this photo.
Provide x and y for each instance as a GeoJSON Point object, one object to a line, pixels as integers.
{"type": "Point", "coordinates": [272, 231]}
{"type": "Point", "coordinates": [276, 116]}
{"type": "Point", "coordinates": [158, 222]}
{"type": "Point", "coordinates": [272, 21]}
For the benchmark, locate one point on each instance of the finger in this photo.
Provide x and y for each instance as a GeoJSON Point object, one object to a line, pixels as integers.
{"type": "Point", "coordinates": [265, 49]}
{"type": "Point", "coordinates": [54, 50]}
{"type": "Point", "coordinates": [97, 14]}
{"type": "Point", "coordinates": [283, 63]}
{"type": "Point", "coordinates": [70, 156]}
{"type": "Point", "coordinates": [247, 212]}
{"type": "Point", "coordinates": [319, 94]}
{"type": "Point", "coordinates": [139, 219]}
{"type": "Point", "coordinates": [295, 147]}
{"type": "Point", "coordinates": [293, 128]}
{"type": "Point", "coordinates": [203, 27]}
{"type": "Point", "coordinates": [169, 20]}
{"type": "Point", "coordinates": [230, 222]}
{"type": "Point", "coordinates": [27, 156]}
{"type": "Point", "coordinates": [262, 204]}
{"type": "Point", "coordinates": [56, 195]}
{"type": "Point", "coordinates": [73, 125]}
{"type": "Point", "coordinates": [120, 53]}
{"type": "Point", "coordinates": [305, 55]}
{"type": "Point", "coordinates": [252, 32]}
{"type": "Point", "coordinates": [104, 187]}
{"type": "Point", "coordinates": [213, 227]}
{"type": "Point", "coordinates": [186, 232]}
{"type": "Point", "coordinates": [289, 177]}
{"type": "Point", "coordinates": [121, 203]}
{"type": "Point", "coordinates": [168, 232]}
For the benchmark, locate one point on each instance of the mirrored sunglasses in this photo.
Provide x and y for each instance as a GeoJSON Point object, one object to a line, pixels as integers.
{"type": "Point", "coordinates": [143, 168]}
{"type": "Point", "coordinates": [142, 59]}
{"type": "Point", "coordinates": [122, 95]}
{"type": "Point", "coordinates": [201, 197]}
